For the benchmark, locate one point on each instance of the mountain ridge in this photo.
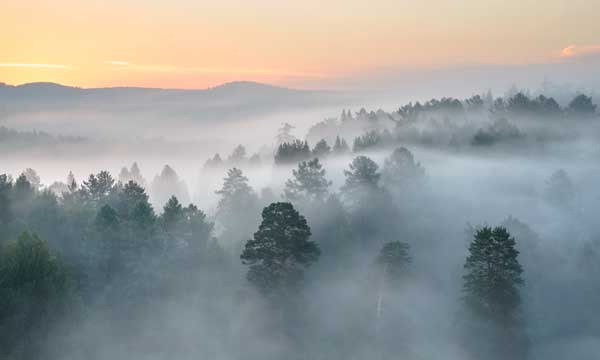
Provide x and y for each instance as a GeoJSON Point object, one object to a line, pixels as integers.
{"type": "Point", "coordinates": [238, 84]}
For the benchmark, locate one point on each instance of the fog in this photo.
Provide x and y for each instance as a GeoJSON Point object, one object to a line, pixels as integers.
{"type": "Point", "coordinates": [139, 285]}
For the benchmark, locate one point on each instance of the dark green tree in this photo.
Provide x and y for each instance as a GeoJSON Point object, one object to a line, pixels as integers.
{"type": "Point", "coordinates": [280, 251]}
{"type": "Point", "coordinates": [492, 282]}
{"type": "Point", "coordinates": [6, 213]}
{"type": "Point", "coordinates": [36, 292]}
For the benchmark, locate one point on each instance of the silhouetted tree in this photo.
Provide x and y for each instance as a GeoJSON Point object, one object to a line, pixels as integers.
{"type": "Point", "coordinates": [581, 105]}
{"type": "Point", "coordinates": [279, 252]}
{"type": "Point", "coordinates": [289, 153]}
{"type": "Point", "coordinates": [492, 296]}
{"type": "Point", "coordinates": [474, 103]}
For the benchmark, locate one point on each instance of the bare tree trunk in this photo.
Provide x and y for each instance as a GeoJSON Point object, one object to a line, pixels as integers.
{"type": "Point", "coordinates": [380, 298]}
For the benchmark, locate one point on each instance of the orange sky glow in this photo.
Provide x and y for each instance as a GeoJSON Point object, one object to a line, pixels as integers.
{"type": "Point", "coordinates": [305, 44]}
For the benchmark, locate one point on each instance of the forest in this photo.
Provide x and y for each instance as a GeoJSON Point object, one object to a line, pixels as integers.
{"type": "Point", "coordinates": [446, 229]}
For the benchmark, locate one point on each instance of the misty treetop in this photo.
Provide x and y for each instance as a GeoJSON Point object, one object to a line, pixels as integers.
{"type": "Point", "coordinates": [513, 121]}
{"type": "Point", "coordinates": [492, 290]}
{"type": "Point", "coordinates": [448, 122]}
{"type": "Point", "coordinates": [279, 251]}
{"type": "Point", "coordinates": [308, 183]}
{"type": "Point", "coordinates": [349, 248]}
{"type": "Point", "coordinates": [362, 176]}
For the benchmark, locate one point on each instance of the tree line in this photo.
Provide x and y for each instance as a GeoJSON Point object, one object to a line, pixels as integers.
{"type": "Point", "coordinates": [101, 247]}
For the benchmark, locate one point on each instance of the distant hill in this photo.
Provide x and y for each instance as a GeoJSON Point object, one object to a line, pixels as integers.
{"type": "Point", "coordinates": [134, 111]}
{"type": "Point", "coordinates": [56, 96]}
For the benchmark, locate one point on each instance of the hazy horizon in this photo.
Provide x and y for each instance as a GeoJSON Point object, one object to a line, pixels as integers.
{"type": "Point", "coordinates": [299, 180]}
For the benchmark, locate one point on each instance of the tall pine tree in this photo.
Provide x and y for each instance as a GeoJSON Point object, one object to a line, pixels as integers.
{"type": "Point", "coordinates": [492, 297]}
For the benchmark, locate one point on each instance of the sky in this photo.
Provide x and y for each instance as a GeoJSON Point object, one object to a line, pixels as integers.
{"type": "Point", "coordinates": [303, 44]}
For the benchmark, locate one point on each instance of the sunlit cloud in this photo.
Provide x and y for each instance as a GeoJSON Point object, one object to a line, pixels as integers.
{"type": "Point", "coordinates": [117, 62]}
{"type": "Point", "coordinates": [41, 66]}
{"type": "Point", "coordinates": [579, 50]}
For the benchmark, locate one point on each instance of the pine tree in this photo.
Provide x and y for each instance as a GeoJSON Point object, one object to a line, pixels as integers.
{"type": "Point", "coordinates": [492, 297]}
{"type": "Point", "coordinates": [172, 214]}
{"type": "Point", "coordinates": [279, 251]}
{"type": "Point", "coordinates": [37, 292]}
{"type": "Point", "coordinates": [322, 149]}
{"type": "Point", "coordinates": [340, 146]}
{"type": "Point", "coordinates": [237, 206]}
{"type": "Point", "coordinates": [99, 186]}
{"type": "Point", "coordinates": [309, 182]}
{"type": "Point", "coordinates": [362, 178]}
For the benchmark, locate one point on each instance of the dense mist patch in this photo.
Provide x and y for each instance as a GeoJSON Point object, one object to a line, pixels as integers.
{"type": "Point", "coordinates": [447, 229]}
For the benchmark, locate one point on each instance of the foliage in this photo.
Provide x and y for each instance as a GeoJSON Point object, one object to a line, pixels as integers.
{"type": "Point", "coordinates": [279, 251]}
{"type": "Point", "coordinates": [322, 149]}
{"type": "Point", "coordinates": [237, 206]}
{"type": "Point", "coordinates": [309, 182]}
{"type": "Point", "coordinates": [363, 176]}
{"type": "Point", "coordinates": [340, 146]}
{"type": "Point", "coordinates": [292, 152]}
{"type": "Point", "coordinates": [36, 290]}
{"type": "Point", "coordinates": [492, 294]}
{"type": "Point", "coordinates": [500, 131]}
{"type": "Point", "coordinates": [581, 105]}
